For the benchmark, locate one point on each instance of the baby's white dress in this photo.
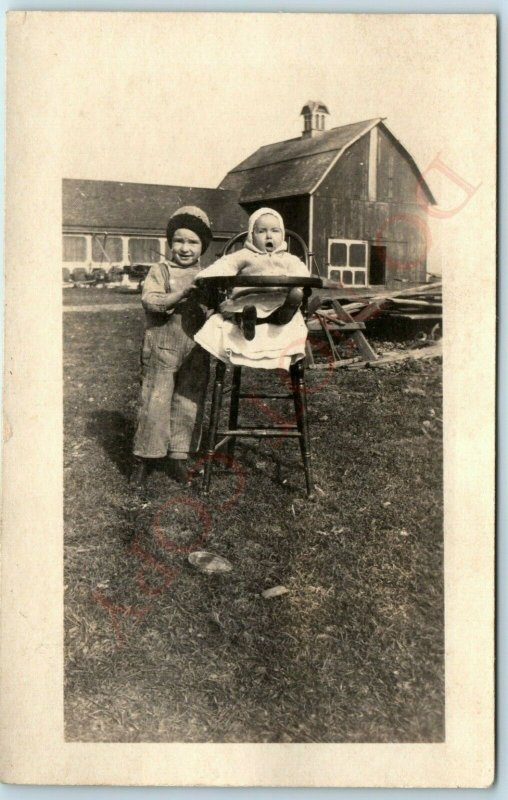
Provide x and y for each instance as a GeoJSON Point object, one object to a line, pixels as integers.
{"type": "Point", "coordinates": [274, 346]}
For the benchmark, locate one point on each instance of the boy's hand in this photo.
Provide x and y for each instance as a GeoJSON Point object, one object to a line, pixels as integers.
{"type": "Point", "coordinates": [189, 290]}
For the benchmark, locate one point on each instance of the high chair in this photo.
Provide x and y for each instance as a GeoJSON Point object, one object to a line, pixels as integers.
{"type": "Point", "coordinates": [225, 437]}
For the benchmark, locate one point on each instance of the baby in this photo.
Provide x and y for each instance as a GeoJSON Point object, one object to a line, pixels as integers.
{"type": "Point", "coordinates": [264, 253]}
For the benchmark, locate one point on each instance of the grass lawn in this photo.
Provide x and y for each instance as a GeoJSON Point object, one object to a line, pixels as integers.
{"type": "Point", "coordinates": [75, 296]}
{"type": "Point", "coordinates": [157, 651]}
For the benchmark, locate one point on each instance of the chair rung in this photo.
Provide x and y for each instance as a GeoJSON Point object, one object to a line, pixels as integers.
{"type": "Point", "coordinates": [288, 430]}
{"type": "Point", "coordinates": [288, 426]}
{"type": "Point", "coordinates": [267, 396]}
{"type": "Point", "coordinates": [221, 443]}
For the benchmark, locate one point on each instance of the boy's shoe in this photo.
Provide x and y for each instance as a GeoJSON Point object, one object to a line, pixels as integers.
{"type": "Point", "coordinates": [141, 469]}
{"type": "Point", "coordinates": [178, 469]}
{"type": "Point", "coordinates": [249, 319]}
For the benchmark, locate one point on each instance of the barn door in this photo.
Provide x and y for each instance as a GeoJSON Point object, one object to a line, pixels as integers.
{"type": "Point", "coordinates": [377, 265]}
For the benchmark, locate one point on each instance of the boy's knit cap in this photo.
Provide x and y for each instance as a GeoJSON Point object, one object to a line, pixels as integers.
{"type": "Point", "coordinates": [192, 218]}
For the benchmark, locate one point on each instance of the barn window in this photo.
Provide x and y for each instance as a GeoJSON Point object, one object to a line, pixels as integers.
{"type": "Point", "coordinates": [357, 255]}
{"type": "Point", "coordinates": [106, 248]}
{"type": "Point", "coordinates": [146, 251]}
{"type": "Point", "coordinates": [347, 262]}
{"type": "Point", "coordinates": [338, 254]}
{"type": "Point", "coordinates": [74, 248]}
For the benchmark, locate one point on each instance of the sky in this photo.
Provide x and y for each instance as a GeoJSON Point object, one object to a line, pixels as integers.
{"type": "Point", "coordinates": [253, 74]}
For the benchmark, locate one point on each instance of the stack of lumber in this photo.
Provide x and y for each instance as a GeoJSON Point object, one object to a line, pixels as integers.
{"type": "Point", "coordinates": [419, 302]}
{"type": "Point", "coordinates": [328, 316]}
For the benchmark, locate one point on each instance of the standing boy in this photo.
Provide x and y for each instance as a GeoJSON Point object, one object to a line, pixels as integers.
{"type": "Point", "coordinates": [175, 369]}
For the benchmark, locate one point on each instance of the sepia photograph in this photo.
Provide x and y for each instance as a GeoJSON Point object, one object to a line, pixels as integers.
{"type": "Point", "coordinates": [261, 252]}
{"type": "Point", "coordinates": [257, 568]}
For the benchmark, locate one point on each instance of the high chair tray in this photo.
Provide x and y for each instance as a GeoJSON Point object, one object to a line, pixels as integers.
{"type": "Point", "coordinates": [230, 281]}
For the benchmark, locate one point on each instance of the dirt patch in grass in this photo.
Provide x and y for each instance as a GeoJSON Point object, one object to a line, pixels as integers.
{"type": "Point", "coordinates": [156, 651]}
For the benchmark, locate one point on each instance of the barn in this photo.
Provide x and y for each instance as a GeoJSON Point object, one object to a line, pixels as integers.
{"type": "Point", "coordinates": [109, 223]}
{"type": "Point", "coordinates": [353, 193]}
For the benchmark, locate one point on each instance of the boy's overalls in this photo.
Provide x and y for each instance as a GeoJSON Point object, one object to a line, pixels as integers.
{"type": "Point", "coordinates": [175, 369]}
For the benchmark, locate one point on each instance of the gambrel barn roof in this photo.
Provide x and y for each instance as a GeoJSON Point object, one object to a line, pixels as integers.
{"type": "Point", "coordinates": [144, 208]}
{"type": "Point", "coordinates": [297, 166]}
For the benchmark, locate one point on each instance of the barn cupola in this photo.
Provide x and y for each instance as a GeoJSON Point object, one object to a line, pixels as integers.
{"type": "Point", "coordinates": [314, 117]}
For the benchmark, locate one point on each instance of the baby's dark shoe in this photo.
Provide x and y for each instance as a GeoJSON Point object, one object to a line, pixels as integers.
{"type": "Point", "coordinates": [290, 306]}
{"type": "Point", "coordinates": [249, 319]}
{"type": "Point", "coordinates": [314, 304]}
{"type": "Point", "coordinates": [178, 470]}
{"type": "Point", "coordinates": [140, 471]}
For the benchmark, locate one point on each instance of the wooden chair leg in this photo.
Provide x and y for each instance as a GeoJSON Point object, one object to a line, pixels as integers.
{"type": "Point", "coordinates": [302, 420]}
{"type": "Point", "coordinates": [218, 388]}
{"type": "Point", "coordinates": [233, 408]}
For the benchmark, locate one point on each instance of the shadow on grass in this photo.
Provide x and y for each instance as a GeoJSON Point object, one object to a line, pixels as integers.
{"type": "Point", "coordinates": [115, 434]}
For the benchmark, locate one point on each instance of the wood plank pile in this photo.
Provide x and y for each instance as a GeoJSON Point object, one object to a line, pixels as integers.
{"type": "Point", "coordinates": [420, 302]}
{"type": "Point", "coordinates": [328, 317]}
